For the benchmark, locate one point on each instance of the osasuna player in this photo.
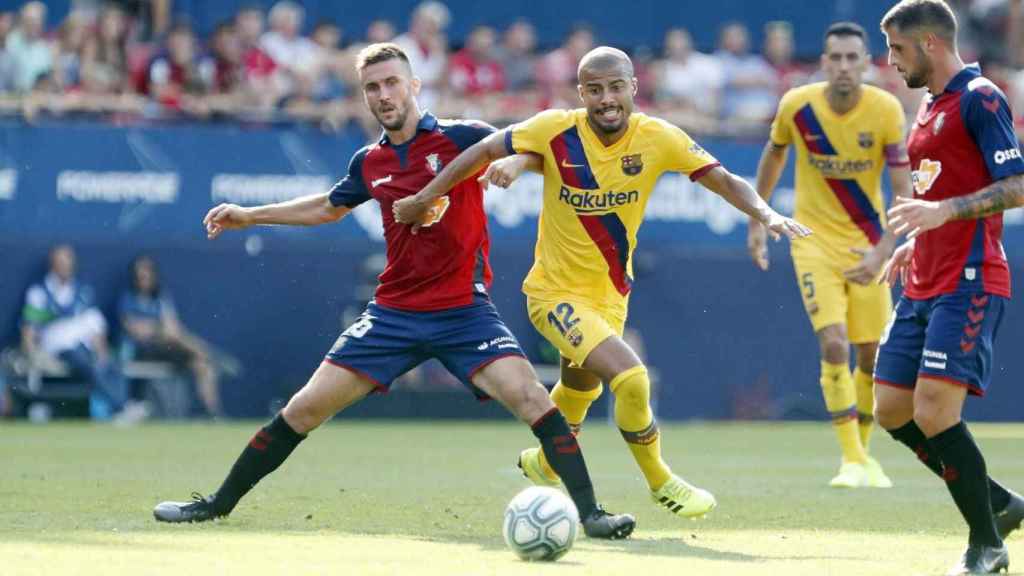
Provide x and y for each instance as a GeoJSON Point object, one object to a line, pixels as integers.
{"type": "Point", "coordinates": [845, 134]}
{"type": "Point", "coordinates": [432, 299]}
{"type": "Point", "coordinates": [601, 163]}
{"type": "Point", "coordinates": [938, 347]}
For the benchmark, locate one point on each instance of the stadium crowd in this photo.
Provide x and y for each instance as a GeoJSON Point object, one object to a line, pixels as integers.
{"type": "Point", "coordinates": [135, 61]}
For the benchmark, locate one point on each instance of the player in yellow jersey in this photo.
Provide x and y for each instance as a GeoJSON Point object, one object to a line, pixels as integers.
{"type": "Point", "coordinates": [600, 164]}
{"type": "Point", "coordinates": [845, 133]}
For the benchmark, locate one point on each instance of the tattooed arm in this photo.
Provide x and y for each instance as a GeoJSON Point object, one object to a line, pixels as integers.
{"type": "Point", "coordinates": [997, 197]}
{"type": "Point", "coordinates": [912, 217]}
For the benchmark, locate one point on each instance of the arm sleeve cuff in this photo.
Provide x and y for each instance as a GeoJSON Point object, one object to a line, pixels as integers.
{"type": "Point", "coordinates": [699, 173]}
{"type": "Point", "coordinates": [508, 141]}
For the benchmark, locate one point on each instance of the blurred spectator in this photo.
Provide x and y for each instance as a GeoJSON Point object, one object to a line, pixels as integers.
{"type": "Point", "coordinates": [778, 51]}
{"type": "Point", "coordinates": [750, 90]}
{"type": "Point", "coordinates": [60, 320]}
{"type": "Point", "coordinates": [71, 40]}
{"type": "Point", "coordinates": [152, 17]}
{"type": "Point", "coordinates": [6, 60]}
{"type": "Point", "coordinates": [179, 77]}
{"type": "Point", "coordinates": [1014, 37]}
{"type": "Point", "coordinates": [475, 70]}
{"type": "Point", "coordinates": [331, 83]}
{"type": "Point", "coordinates": [153, 332]}
{"type": "Point", "coordinates": [31, 53]}
{"type": "Point", "coordinates": [689, 83]}
{"type": "Point", "coordinates": [380, 31]}
{"type": "Point", "coordinates": [105, 55]}
{"type": "Point", "coordinates": [293, 53]}
{"type": "Point", "coordinates": [518, 57]}
{"type": "Point", "coordinates": [427, 49]}
{"type": "Point", "coordinates": [643, 71]}
{"type": "Point", "coordinates": [258, 69]}
{"type": "Point", "coordinates": [556, 71]}
{"type": "Point", "coordinates": [227, 59]}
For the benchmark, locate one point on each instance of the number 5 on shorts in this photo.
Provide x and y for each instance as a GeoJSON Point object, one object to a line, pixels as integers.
{"type": "Point", "coordinates": [807, 281]}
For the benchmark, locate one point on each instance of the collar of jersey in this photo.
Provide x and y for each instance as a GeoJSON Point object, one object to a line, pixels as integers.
{"type": "Point", "coordinates": [958, 82]}
{"type": "Point", "coordinates": [427, 123]}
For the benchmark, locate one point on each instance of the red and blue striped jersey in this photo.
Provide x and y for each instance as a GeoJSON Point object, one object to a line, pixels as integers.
{"type": "Point", "coordinates": [962, 141]}
{"type": "Point", "coordinates": [447, 262]}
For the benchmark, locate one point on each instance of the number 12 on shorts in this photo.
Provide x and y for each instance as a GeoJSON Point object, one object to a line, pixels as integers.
{"type": "Point", "coordinates": [563, 321]}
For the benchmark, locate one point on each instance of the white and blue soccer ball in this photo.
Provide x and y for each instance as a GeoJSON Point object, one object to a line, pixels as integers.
{"type": "Point", "coordinates": [540, 524]}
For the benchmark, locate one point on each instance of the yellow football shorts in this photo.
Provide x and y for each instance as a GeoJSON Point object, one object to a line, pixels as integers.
{"type": "Point", "coordinates": [573, 326]}
{"type": "Point", "coordinates": [829, 298]}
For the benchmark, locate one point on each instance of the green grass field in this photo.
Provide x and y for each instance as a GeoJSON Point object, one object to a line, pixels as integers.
{"type": "Point", "coordinates": [427, 498]}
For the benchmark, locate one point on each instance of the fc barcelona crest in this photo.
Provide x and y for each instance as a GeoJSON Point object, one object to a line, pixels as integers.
{"type": "Point", "coordinates": [866, 139]}
{"type": "Point", "coordinates": [433, 163]}
{"type": "Point", "coordinates": [632, 164]}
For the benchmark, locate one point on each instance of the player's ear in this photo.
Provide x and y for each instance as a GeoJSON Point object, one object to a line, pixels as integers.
{"type": "Point", "coordinates": [930, 41]}
{"type": "Point", "coordinates": [416, 84]}
{"type": "Point", "coordinates": [636, 86]}
{"type": "Point", "coordinates": [579, 90]}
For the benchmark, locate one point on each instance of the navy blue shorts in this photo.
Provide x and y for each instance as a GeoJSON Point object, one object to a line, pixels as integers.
{"type": "Point", "coordinates": [384, 343]}
{"type": "Point", "coordinates": [948, 337]}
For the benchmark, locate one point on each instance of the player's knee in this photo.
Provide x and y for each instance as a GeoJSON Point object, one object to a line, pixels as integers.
{"type": "Point", "coordinates": [932, 414]}
{"type": "Point", "coordinates": [866, 357]}
{"type": "Point", "coordinates": [890, 416]}
{"type": "Point", "coordinates": [632, 389]}
{"type": "Point", "coordinates": [532, 403]}
{"type": "Point", "coordinates": [301, 415]}
{"type": "Point", "coordinates": [835, 350]}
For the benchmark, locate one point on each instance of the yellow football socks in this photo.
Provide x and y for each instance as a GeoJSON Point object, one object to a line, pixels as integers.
{"type": "Point", "coordinates": [574, 403]}
{"type": "Point", "coordinates": [841, 402]}
{"type": "Point", "coordinates": [865, 386]}
{"type": "Point", "coordinates": [633, 415]}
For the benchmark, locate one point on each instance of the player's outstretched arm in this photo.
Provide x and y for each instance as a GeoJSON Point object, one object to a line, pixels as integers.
{"type": "Point", "coordinates": [912, 217]}
{"type": "Point", "coordinates": [502, 173]}
{"type": "Point", "coordinates": [306, 211]}
{"type": "Point", "coordinates": [410, 210]}
{"type": "Point", "coordinates": [740, 194]}
{"type": "Point", "coordinates": [769, 170]}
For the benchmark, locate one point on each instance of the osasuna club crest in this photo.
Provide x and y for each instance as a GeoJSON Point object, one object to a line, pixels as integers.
{"type": "Point", "coordinates": [632, 164]}
{"type": "Point", "coordinates": [866, 139]}
{"type": "Point", "coordinates": [433, 163]}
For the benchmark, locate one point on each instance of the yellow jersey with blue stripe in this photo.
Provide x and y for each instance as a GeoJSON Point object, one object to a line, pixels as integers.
{"type": "Point", "coordinates": [594, 200]}
{"type": "Point", "coordinates": [839, 162]}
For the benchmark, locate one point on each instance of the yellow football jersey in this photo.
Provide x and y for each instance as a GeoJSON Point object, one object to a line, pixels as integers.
{"type": "Point", "coordinates": [839, 162]}
{"type": "Point", "coordinates": [594, 199]}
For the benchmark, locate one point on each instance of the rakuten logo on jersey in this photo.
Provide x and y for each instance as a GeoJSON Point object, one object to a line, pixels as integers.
{"type": "Point", "coordinates": [585, 202]}
{"type": "Point", "coordinates": [1002, 156]}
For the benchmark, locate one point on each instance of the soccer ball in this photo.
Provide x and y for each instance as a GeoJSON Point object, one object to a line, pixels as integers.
{"type": "Point", "coordinates": [540, 524]}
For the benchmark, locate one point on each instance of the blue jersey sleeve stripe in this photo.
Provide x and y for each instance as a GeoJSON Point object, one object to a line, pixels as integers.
{"type": "Point", "coordinates": [351, 190]}
{"type": "Point", "coordinates": [508, 141]}
{"type": "Point", "coordinates": [465, 134]}
{"type": "Point", "coordinates": [987, 117]}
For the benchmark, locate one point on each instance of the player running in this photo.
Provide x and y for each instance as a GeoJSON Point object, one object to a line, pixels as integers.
{"type": "Point", "coordinates": [844, 133]}
{"type": "Point", "coordinates": [967, 169]}
{"type": "Point", "coordinates": [600, 165]}
{"type": "Point", "coordinates": [432, 299]}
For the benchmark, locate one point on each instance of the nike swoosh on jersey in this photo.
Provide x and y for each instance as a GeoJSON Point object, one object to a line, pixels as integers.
{"type": "Point", "coordinates": [565, 165]}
